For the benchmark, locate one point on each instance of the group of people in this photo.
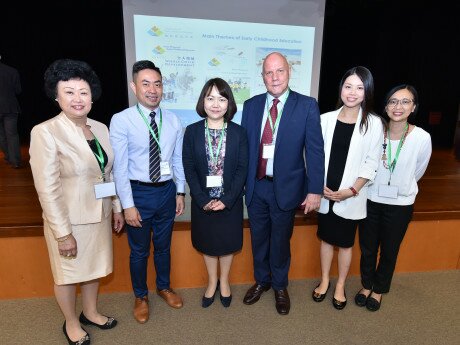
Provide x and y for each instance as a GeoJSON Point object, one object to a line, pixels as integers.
{"type": "Point", "coordinates": [350, 165]}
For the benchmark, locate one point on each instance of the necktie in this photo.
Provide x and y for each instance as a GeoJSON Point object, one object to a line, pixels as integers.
{"type": "Point", "coordinates": [267, 138]}
{"type": "Point", "coordinates": [154, 152]}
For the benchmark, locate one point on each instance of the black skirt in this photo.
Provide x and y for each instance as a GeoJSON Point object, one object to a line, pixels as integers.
{"type": "Point", "coordinates": [332, 228]}
{"type": "Point", "coordinates": [217, 233]}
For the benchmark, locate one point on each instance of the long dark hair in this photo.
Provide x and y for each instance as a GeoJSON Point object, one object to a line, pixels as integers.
{"type": "Point", "coordinates": [367, 105]}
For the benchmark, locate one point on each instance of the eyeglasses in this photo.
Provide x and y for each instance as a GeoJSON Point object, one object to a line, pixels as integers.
{"type": "Point", "coordinates": [394, 102]}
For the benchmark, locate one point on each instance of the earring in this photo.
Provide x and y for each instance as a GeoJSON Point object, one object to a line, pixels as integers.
{"type": "Point", "coordinates": [56, 99]}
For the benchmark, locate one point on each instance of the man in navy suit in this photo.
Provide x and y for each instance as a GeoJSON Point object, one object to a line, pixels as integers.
{"type": "Point", "coordinates": [286, 170]}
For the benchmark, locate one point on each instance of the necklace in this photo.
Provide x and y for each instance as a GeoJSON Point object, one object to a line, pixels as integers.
{"type": "Point", "coordinates": [388, 164]}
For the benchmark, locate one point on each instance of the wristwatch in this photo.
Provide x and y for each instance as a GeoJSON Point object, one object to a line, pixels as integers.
{"type": "Point", "coordinates": [181, 194]}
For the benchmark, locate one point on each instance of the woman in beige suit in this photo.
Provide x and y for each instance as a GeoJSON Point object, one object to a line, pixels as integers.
{"type": "Point", "coordinates": [71, 162]}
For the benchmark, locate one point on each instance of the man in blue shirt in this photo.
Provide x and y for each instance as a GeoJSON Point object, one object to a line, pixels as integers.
{"type": "Point", "coordinates": [147, 143]}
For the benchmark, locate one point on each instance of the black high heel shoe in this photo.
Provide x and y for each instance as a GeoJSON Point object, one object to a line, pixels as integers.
{"type": "Point", "coordinates": [207, 301]}
{"type": "Point", "coordinates": [85, 340]}
{"type": "Point", "coordinates": [319, 297]}
{"type": "Point", "coordinates": [111, 322]}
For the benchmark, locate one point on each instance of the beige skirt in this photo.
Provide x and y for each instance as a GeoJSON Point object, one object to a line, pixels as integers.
{"type": "Point", "coordinates": [94, 257]}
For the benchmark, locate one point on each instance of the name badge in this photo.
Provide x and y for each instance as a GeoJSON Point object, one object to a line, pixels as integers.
{"type": "Point", "coordinates": [386, 191]}
{"type": "Point", "coordinates": [103, 190]}
{"type": "Point", "coordinates": [268, 151]}
{"type": "Point", "coordinates": [213, 181]}
{"type": "Point", "coordinates": [165, 169]}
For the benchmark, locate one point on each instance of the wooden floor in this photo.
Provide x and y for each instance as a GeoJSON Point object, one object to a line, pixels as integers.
{"type": "Point", "coordinates": [20, 212]}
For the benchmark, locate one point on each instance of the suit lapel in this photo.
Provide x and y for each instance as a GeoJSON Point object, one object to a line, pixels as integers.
{"type": "Point", "coordinates": [286, 117]}
{"type": "Point", "coordinates": [200, 142]}
{"type": "Point", "coordinates": [259, 114]}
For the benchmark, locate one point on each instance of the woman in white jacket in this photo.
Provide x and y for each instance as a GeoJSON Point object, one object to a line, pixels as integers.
{"type": "Point", "coordinates": [352, 136]}
{"type": "Point", "coordinates": [404, 157]}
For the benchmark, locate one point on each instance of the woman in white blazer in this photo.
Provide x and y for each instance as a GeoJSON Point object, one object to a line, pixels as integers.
{"type": "Point", "coordinates": [404, 155]}
{"type": "Point", "coordinates": [352, 135]}
{"type": "Point", "coordinates": [71, 160]}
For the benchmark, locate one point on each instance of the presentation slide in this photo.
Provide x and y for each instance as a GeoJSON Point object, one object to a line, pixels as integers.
{"type": "Point", "coordinates": [191, 51]}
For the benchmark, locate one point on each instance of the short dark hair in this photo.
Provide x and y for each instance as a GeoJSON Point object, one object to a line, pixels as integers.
{"type": "Point", "coordinates": [144, 64]}
{"type": "Point", "coordinates": [367, 105]}
{"type": "Point", "coordinates": [409, 88]}
{"type": "Point", "coordinates": [224, 90]}
{"type": "Point", "coordinates": [66, 69]}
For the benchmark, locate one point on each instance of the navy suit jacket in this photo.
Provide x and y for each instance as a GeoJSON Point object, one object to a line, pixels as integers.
{"type": "Point", "coordinates": [196, 164]}
{"type": "Point", "coordinates": [298, 166]}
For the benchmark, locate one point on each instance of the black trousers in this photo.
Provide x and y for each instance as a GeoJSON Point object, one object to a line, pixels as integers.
{"type": "Point", "coordinates": [384, 227]}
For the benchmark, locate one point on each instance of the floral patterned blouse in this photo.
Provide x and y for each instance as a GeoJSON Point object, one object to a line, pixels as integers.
{"type": "Point", "coordinates": [218, 169]}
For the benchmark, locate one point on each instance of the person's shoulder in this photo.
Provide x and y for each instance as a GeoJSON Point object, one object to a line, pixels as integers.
{"type": "Point", "coordinates": [301, 97]}
{"type": "Point", "coordinates": [375, 120]}
{"type": "Point", "coordinates": [124, 114]}
{"type": "Point", "coordinates": [332, 113]}
{"type": "Point", "coordinates": [234, 126]}
{"type": "Point", "coordinates": [422, 134]}
{"type": "Point", "coordinates": [96, 124]}
{"type": "Point", "coordinates": [196, 125]}
{"type": "Point", "coordinates": [171, 117]}
{"type": "Point", "coordinates": [255, 98]}
{"type": "Point", "coordinates": [46, 125]}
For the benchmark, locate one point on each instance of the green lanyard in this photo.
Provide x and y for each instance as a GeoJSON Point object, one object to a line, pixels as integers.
{"type": "Point", "coordinates": [275, 126]}
{"type": "Point", "coordinates": [100, 157]}
{"type": "Point", "coordinates": [215, 157]}
{"type": "Point", "coordinates": [392, 164]}
{"type": "Point", "coordinates": [157, 139]}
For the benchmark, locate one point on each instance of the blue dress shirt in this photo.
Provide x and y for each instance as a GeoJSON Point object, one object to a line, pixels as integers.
{"type": "Point", "coordinates": [129, 136]}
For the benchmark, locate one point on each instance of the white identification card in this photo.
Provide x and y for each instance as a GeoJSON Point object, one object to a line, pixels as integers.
{"type": "Point", "coordinates": [164, 168]}
{"type": "Point", "coordinates": [213, 181]}
{"type": "Point", "coordinates": [386, 191]}
{"type": "Point", "coordinates": [103, 190]}
{"type": "Point", "coordinates": [268, 151]}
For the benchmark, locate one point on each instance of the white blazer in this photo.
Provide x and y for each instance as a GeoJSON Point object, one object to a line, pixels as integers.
{"type": "Point", "coordinates": [362, 161]}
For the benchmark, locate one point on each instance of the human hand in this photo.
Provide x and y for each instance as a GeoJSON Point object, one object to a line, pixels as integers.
{"type": "Point", "coordinates": [208, 206]}
{"type": "Point", "coordinates": [133, 217]}
{"type": "Point", "coordinates": [68, 247]}
{"type": "Point", "coordinates": [118, 221]}
{"type": "Point", "coordinates": [217, 206]}
{"type": "Point", "coordinates": [180, 205]}
{"type": "Point", "coordinates": [339, 195]}
{"type": "Point", "coordinates": [311, 202]}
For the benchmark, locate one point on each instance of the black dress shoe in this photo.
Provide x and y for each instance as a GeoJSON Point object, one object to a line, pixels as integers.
{"type": "Point", "coordinates": [283, 303]}
{"type": "Point", "coordinates": [207, 301]}
{"type": "Point", "coordinates": [111, 322]}
{"type": "Point", "coordinates": [226, 301]}
{"type": "Point", "coordinates": [339, 305]}
{"type": "Point", "coordinates": [372, 304]}
{"type": "Point", "coordinates": [319, 297]}
{"type": "Point", "coordinates": [254, 293]}
{"type": "Point", "coordinates": [82, 341]}
{"type": "Point", "coordinates": [360, 298]}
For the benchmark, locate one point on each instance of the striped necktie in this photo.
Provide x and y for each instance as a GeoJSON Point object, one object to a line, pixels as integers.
{"type": "Point", "coordinates": [154, 152]}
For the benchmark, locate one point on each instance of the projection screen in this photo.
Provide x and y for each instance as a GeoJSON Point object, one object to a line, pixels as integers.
{"type": "Point", "coordinates": [193, 41]}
